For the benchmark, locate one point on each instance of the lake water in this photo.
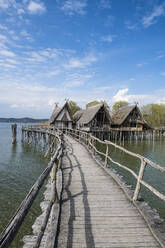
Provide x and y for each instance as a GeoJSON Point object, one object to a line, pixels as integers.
{"type": "Point", "coordinates": [153, 150]}
{"type": "Point", "coordinates": [20, 166]}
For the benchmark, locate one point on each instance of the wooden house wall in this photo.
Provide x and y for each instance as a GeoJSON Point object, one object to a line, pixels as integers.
{"type": "Point", "coordinates": [99, 120]}
{"type": "Point", "coordinates": [133, 120]}
{"type": "Point", "coordinates": [64, 111]}
{"type": "Point", "coordinates": [62, 124]}
{"type": "Point", "coordinates": [59, 123]}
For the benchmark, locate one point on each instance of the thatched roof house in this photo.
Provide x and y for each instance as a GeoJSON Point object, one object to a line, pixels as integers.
{"type": "Point", "coordinates": [129, 117]}
{"type": "Point", "coordinates": [95, 117]}
{"type": "Point", "coordinates": [61, 117]}
{"type": "Point", "coordinates": [78, 115]}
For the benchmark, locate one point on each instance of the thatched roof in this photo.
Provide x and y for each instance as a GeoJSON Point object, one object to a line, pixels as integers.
{"type": "Point", "coordinates": [57, 111]}
{"type": "Point", "coordinates": [78, 115]}
{"type": "Point", "coordinates": [88, 114]}
{"type": "Point", "coordinates": [119, 116]}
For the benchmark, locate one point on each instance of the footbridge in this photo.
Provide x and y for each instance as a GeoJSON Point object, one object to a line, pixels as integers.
{"type": "Point", "coordinates": [86, 204]}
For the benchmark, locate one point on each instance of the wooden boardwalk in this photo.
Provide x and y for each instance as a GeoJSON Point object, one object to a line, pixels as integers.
{"type": "Point", "coordinates": [95, 212]}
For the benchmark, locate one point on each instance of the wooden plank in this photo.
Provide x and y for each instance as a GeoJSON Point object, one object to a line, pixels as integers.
{"type": "Point", "coordinates": [108, 245]}
{"type": "Point", "coordinates": [95, 212]}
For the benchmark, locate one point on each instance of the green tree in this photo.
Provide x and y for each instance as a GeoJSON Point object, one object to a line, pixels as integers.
{"type": "Point", "coordinates": [154, 114]}
{"type": "Point", "coordinates": [93, 103]}
{"type": "Point", "coordinates": [119, 104]}
{"type": "Point", "coordinates": [73, 107]}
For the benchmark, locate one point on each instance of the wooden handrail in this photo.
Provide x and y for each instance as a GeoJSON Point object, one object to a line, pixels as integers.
{"type": "Point", "coordinates": [144, 162]}
{"type": "Point", "coordinates": [14, 224]}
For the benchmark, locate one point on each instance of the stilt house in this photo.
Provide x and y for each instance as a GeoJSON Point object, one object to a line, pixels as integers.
{"type": "Point", "coordinates": [93, 118]}
{"type": "Point", "coordinates": [129, 118]}
{"type": "Point", "coordinates": [61, 117]}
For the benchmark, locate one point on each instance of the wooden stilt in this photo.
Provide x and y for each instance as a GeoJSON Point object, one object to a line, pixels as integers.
{"type": "Point", "coordinates": [14, 133]}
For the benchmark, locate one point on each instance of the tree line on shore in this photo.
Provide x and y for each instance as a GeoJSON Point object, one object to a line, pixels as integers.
{"type": "Point", "coordinates": [153, 113]}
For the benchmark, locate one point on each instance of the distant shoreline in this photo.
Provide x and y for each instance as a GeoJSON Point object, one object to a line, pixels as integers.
{"type": "Point", "coordinates": [21, 120]}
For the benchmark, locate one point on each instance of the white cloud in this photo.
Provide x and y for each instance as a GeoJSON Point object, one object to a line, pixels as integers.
{"type": "Point", "coordinates": [30, 99]}
{"type": "Point", "coordinates": [12, 4]}
{"type": "Point", "coordinates": [77, 79]}
{"type": "Point", "coordinates": [81, 63]}
{"type": "Point", "coordinates": [142, 99]}
{"type": "Point", "coordinates": [105, 4]}
{"type": "Point", "coordinates": [20, 11]}
{"type": "Point", "coordinates": [7, 53]}
{"type": "Point", "coordinates": [161, 56]}
{"type": "Point", "coordinates": [151, 19]}
{"type": "Point", "coordinates": [108, 38]}
{"type": "Point", "coordinates": [71, 7]}
{"type": "Point", "coordinates": [4, 4]}
{"type": "Point", "coordinates": [3, 38]}
{"type": "Point", "coordinates": [75, 83]}
{"type": "Point", "coordinates": [75, 63]}
{"type": "Point", "coordinates": [36, 7]}
{"type": "Point", "coordinates": [34, 57]}
{"type": "Point", "coordinates": [130, 25]}
{"type": "Point", "coordinates": [51, 102]}
{"type": "Point", "coordinates": [141, 64]}
{"type": "Point", "coordinates": [53, 73]}
{"type": "Point", "coordinates": [6, 65]}
{"type": "Point", "coordinates": [12, 61]}
{"type": "Point", "coordinates": [3, 27]}
{"type": "Point", "coordinates": [47, 54]}
{"type": "Point", "coordinates": [122, 95]}
{"type": "Point", "coordinates": [14, 106]}
{"type": "Point", "coordinates": [2, 45]}
{"type": "Point", "coordinates": [25, 34]}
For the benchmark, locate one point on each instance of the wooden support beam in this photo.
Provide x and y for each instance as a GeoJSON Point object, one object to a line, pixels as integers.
{"type": "Point", "coordinates": [14, 133]}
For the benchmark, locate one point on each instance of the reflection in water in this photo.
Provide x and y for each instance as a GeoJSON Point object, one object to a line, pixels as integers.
{"type": "Point", "coordinates": [20, 166]}
{"type": "Point", "coordinates": [13, 151]}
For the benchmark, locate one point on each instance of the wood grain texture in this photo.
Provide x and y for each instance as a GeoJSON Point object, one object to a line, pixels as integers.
{"type": "Point", "coordinates": [95, 212]}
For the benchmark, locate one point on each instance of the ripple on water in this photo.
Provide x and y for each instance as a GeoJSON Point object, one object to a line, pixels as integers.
{"type": "Point", "coordinates": [20, 166]}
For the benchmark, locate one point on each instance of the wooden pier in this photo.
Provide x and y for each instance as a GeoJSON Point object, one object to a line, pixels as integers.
{"type": "Point", "coordinates": [86, 204]}
{"type": "Point", "coordinates": [95, 211]}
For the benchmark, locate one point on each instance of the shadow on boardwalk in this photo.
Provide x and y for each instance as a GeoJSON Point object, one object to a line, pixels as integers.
{"type": "Point", "coordinates": [94, 210]}
{"type": "Point", "coordinates": [70, 198]}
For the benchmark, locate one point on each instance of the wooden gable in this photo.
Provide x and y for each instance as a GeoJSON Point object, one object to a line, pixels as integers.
{"type": "Point", "coordinates": [133, 117]}
{"type": "Point", "coordinates": [61, 114]}
{"type": "Point", "coordinates": [65, 118]}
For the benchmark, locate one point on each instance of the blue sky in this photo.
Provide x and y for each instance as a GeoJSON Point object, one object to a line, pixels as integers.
{"type": "Point", "coordinates": [52, 50]}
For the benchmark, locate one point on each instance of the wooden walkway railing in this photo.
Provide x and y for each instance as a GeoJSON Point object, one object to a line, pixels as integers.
{"type": "Point", "coordinates": [90, 142]}
{"type": "Point", "coordinates": [13, 226]}
{"type": "Point", "coordinates": [34, 134]}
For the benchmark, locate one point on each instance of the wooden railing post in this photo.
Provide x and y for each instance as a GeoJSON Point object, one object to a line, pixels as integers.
{"type": "Point", "coordinates": [14, 133]}
{"type": "Point", "coordinates": [106, 155]}
{"type": "Point", "coordinates": [89, 140]}
{"type": "Point", "coordinates": [93, 143]}
{"type": "Point", "coordinates": [86, 139]}
{"type": "Point", "coordinates": [138, 185]}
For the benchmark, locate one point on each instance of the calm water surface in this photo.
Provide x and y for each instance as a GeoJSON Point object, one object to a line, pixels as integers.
{"type": "Point", "coordinates": [155, 151]}
{"type": "Point", "coordinates": [20, 166]}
